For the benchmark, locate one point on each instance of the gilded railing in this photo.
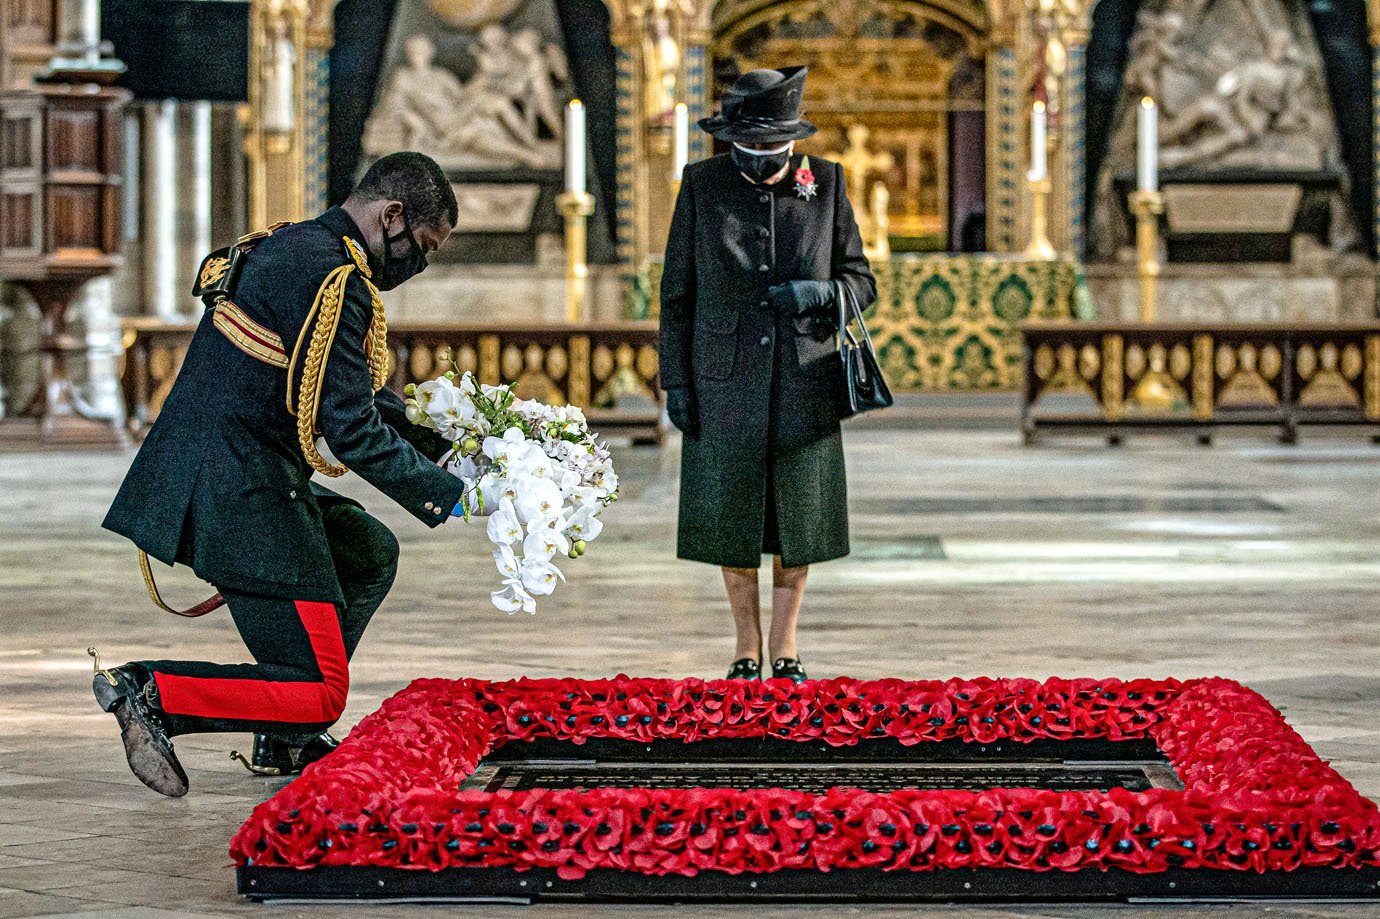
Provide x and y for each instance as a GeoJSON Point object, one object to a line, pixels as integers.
{"type": "Point", "coordinates": [609, 370]}
{"type": "Point", "coordinates": [1130, 374]}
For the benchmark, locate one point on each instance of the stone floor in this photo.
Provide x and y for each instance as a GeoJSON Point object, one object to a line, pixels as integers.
{"type": "Point", "coordinates": [972, 555]}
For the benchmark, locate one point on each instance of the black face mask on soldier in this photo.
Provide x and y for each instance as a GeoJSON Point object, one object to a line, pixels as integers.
{"type": "Point", "coordinates": [393, 270]}
{"type": "Point", "coordinates": [760, 165]}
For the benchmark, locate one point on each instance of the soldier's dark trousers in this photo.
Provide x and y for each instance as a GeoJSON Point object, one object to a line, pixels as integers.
{"type": "Point", "coordinates": [299, 684]}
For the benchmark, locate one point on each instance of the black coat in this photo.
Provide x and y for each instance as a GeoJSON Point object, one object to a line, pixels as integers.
{"type": "Point", "coordinates": [765, 388]}
{"type": "Point", "coordinates": [220, 483]}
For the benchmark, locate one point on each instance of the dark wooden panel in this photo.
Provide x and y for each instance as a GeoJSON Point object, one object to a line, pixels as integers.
{"type": "Point", "coordinates": [75, 217]}
{"type": "Point", "coordinates": [17, 221]}
{"type": "Point", "coordinates": [74, 140]}
{"type": "Point", "coordinates": [28, 22]}
{"type": "Point", "coordinates": [19, 143]}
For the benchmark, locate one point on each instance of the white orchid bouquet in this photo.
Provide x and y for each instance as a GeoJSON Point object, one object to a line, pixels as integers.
{"type": "Point", "coordinates": [534, 470]}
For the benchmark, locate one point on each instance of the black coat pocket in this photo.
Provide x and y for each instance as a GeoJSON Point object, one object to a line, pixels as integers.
{"type": "Point", "coordinates": [716, 345]}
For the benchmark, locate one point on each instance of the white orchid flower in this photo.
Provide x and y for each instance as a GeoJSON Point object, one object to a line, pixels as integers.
{"type": "Point", "coordinates": [538, 499]}
{"type": "Point", "coordinates": [504, 528]}
{"type": "Point", "coordinates": [513, 598]}
{"type": "Point", "coordinates": [544, 543]}
{"type": "Point", "coordinates": [585, 524]}
{"type": "Point", "coordinates": [540, 577]}
{"type": "Point", "coordinates": [507, 562]}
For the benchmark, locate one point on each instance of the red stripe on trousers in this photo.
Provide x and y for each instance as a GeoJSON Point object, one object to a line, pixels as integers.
{"type": "Point", "coordinates": [307, 702]}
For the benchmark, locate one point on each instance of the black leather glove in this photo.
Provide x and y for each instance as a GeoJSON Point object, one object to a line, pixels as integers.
{"type": "Point", "coordinates": [801, 298]}
{"type": "Point", "coordinates": [683, 412]}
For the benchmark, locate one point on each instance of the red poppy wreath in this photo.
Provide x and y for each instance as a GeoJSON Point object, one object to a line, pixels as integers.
{"type": "Point", "coordinates": [1256, 797]}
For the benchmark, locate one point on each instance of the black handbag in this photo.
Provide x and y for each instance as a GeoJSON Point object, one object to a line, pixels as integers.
{"type": "Point", "coordinates": [862, 388]}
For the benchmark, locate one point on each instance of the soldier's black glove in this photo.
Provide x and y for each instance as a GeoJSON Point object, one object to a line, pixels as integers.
{"type": "Point", "coordinates": [682, 410]}
{"type": "Point", "coordinates": [802, 298]}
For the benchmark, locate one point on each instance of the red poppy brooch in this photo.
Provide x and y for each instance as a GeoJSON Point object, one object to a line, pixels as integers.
{"type": "Point", "coordinates": [805, 185]}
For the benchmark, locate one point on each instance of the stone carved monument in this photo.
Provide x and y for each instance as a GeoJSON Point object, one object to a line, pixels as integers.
{"type": "Point", "coordinates": [1241, 92]}
{"type": "Point", "coordinates": [491, 121]}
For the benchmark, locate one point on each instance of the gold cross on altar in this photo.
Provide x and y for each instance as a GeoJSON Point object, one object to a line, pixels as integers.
{"type": "Point", "coordinates": [857, 162]}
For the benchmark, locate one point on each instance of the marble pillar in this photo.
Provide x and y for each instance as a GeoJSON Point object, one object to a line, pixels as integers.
{"type": "Point", "coordinates": [193, 182]}
{"type": "Point", "coordinates": [159, 209]}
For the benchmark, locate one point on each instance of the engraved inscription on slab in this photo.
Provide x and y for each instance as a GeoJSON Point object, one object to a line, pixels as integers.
{"type": "Point", "coordinates": [1232, 208]}
{"type": "Point", "coordinates": [495, 208]}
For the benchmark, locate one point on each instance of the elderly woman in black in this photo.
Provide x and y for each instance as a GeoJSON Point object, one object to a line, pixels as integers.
{"type": "Point", "coordinates": [759, 245]}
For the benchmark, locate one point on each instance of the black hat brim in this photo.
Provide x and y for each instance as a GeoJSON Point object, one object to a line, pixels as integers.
{"type": "Point", "coordinates": [744, 133]}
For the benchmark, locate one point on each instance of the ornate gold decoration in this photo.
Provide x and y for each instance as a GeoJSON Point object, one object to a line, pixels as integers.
{"type": "Point", "coordinates": [1156, 392]}
{"type": "Point", "coordinates": [945, 323]}
{"type": "Point", "coordinates": [360, 257]}
{"type": "Point", "coordinates": [1244, 386]}
{"type": "Point", "coordinates": [579, 371]}
{"type": "Point", "coordinates": [260, 343]}
{"type": "Point", "coordinates": [1203, 380]}
{"type": "Point", "coordinates": [1113, 408]}
{"type": "Point", "coordinates": [887, 64]}
{"type": "Point", "coordinates": [1147, 206]}
{"type": "Point", "coordinates": [1372, 372]}
{"type": "Point", "coordinates": [275, 141]}
{"type": "Point", "coordinates": [577, 208]}
{"type": "Point", "coordinates": [1327, 387]}
{"type": "Point", "coordinates": [213, 270]}
{"type": "Point", "coordinates": [1044, 362]}
{"type": "Point", "coordinates": [858, 166]}
{"type": "Point", "coordinates": [489, 360]}
{"type": "Point", "coordinates": [326, 311]}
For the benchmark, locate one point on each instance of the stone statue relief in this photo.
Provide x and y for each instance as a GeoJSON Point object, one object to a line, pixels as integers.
{"type": "Point", "coordinates": [1240, 86]}
{"type": "Point", "coordinates": [492, 121]}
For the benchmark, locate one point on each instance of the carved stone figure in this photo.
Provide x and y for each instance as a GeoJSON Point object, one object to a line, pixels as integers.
{"type": "Point", "coordinates": [542, 68]}
{"type": "Point", "coordinates": [1240, 87]}
{"type": "Point", "coordinates": [1246, 102]}
{"type": "Point", "coordinates": [477, 124]}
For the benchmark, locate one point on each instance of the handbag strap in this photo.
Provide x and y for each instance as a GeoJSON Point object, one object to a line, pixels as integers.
{"type": "Point", "coordinates": [849, 311]}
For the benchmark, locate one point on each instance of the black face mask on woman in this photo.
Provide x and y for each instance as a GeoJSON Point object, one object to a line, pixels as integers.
{"type": "Point", "coordinates": [393, 270]}
{"type": "Point", "coordinates": [760, 165]}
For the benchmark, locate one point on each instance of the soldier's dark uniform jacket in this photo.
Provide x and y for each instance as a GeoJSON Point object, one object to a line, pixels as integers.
{"type": "Point", "coordinates": [221, 482]}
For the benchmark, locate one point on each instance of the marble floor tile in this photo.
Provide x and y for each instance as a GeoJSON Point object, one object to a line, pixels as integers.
{"type": "Point", "coordinates": [972, 555]}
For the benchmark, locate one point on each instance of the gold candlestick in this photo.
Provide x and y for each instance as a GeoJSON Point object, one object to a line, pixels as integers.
{"type": "Point", "coordinates": [1040, 247]}
{"type": "Point", "coordinates": [1147, 206]}
{"type": "Point", "coordinates": [576, 206]}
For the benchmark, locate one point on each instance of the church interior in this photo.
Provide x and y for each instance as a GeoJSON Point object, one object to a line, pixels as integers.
{"type": "Point", "coordinates": [1125, 254]}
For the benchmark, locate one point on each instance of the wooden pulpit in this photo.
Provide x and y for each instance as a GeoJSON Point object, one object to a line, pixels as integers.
{"type": "Point", "coordinates": [60, 178]}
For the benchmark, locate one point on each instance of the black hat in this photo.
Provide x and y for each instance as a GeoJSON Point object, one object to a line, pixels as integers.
{"type": "Point", "coordinates": [763, 106]}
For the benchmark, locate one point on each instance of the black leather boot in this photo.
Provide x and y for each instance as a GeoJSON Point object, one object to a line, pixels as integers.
{"type": "Point", "coordinates": [131, 695]}
{"type": "Point", "coordinates": [274, 755]}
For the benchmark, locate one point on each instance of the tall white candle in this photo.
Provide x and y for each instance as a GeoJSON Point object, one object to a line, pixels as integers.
{"type": "Point", "coordinates": [575, 147]}
{"type": "Point", "coordinates": [1147, 146]}
{"type": "Point", "coordinates": [1039, 168]}
{"type": "Point", "coordinates": [91, 25]}
{"type": "Point", "coordinates": [682, 141]}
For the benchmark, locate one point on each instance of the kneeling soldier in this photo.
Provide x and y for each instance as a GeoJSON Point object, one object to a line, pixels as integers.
{"type": "Point", "coordinates": [292, 347]}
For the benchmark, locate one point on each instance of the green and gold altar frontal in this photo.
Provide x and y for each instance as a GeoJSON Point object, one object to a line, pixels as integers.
{"type": "Point", "coordinates": [949, 322]}
{"type": "Point", "coordinates": [952, 322]}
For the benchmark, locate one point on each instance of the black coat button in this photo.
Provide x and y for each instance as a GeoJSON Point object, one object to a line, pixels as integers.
{"type": "Point", "coordinates": [763, 232]}
{"type": "Point", "coordinates": [765, 304]}
{"type": "Point", "coordinates": [764, 198]}
{"type": "Point", "coordinates": [766, 340]}
{"type": "Point", "coordinates": [764, 268]}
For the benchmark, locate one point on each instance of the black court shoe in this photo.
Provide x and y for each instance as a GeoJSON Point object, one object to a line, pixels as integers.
{"type": "Point", "coordinates": [285, 756]}
{"type": "Point", "coordinates": [745, 668]}
{"type": "Point", "coordinates": [788, 668]}
{"type": "Point", "coordinates": [132, 697]}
